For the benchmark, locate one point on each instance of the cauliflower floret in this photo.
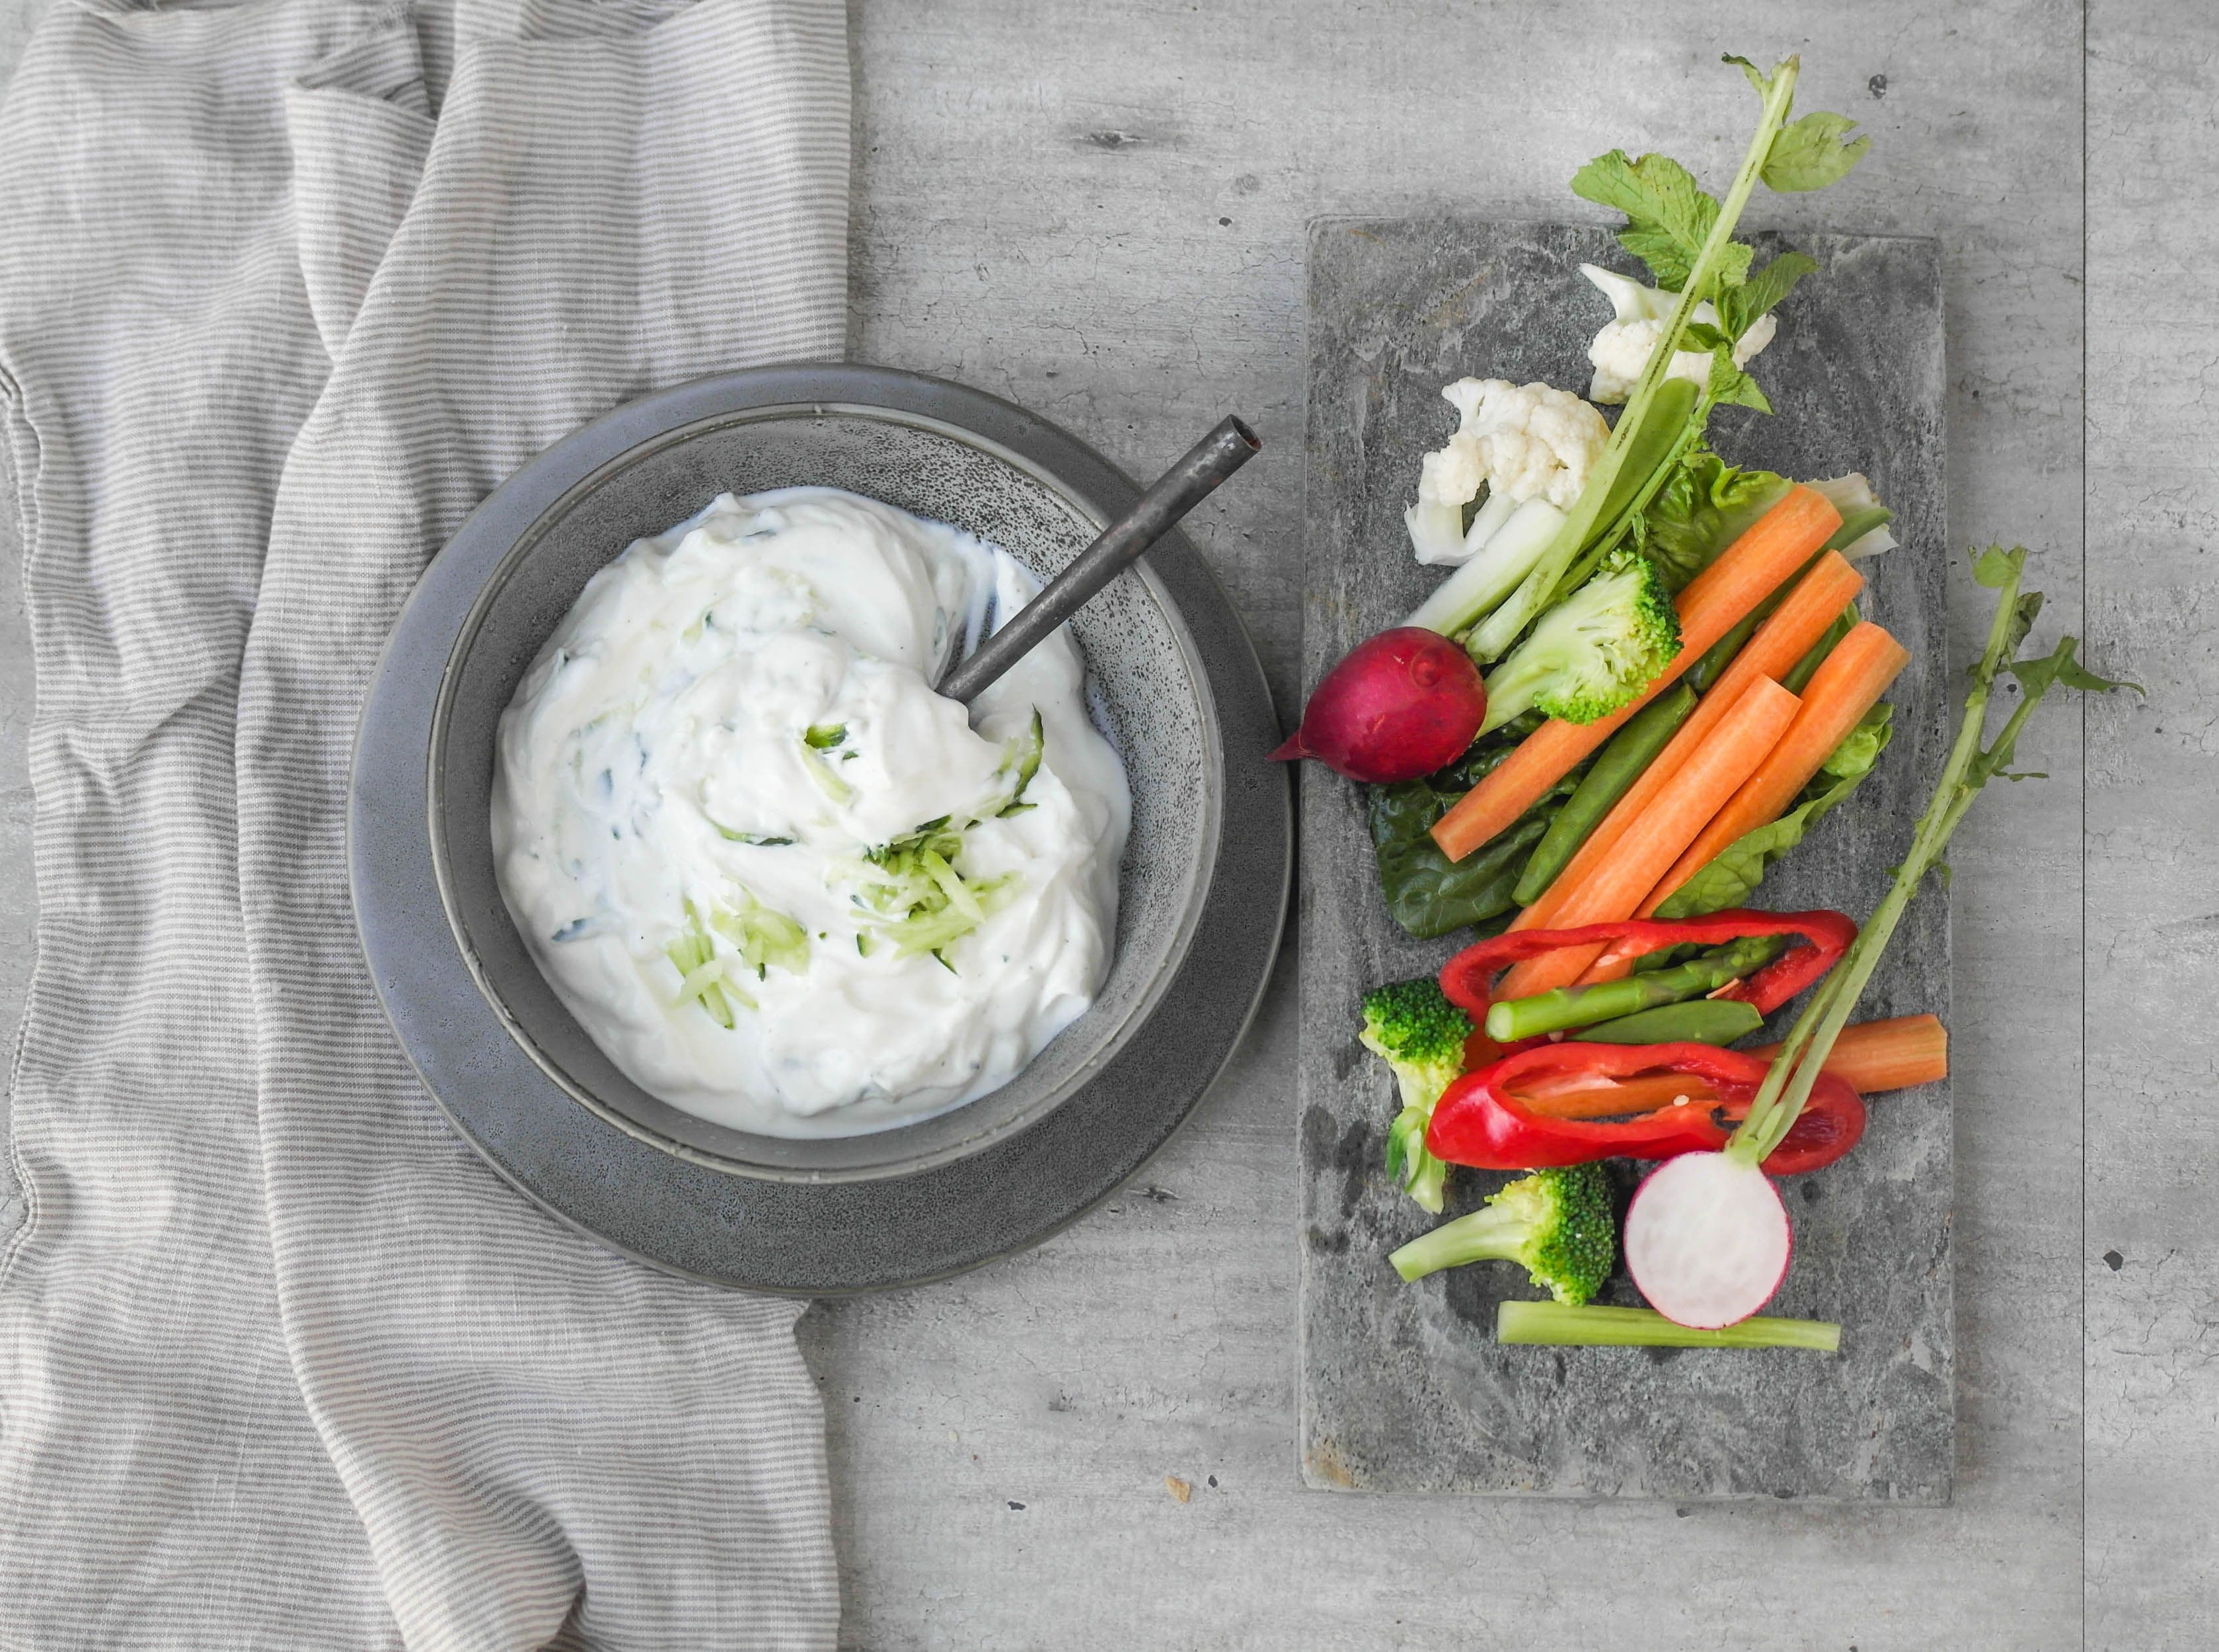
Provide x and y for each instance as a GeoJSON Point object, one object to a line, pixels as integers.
{"type": "Point", "coordinates": [1453, 474]}
{"type": "Point", "coordinates": [1530, 441]}
{"type": "Point", "coordinates": [1521, 442]}
{"type": "Point", "coordinates": [1623, 346]}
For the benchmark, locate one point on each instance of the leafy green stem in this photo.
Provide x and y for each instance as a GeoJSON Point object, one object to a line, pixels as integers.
{"type": "Point", "coordinates": [1970, 766]}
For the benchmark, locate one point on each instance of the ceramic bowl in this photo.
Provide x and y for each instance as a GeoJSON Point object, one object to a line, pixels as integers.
{"type": "Point", "coordinates": [1146, 692]}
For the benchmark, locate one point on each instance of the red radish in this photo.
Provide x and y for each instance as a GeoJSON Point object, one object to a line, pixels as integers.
{"type": "Point", "coordinates": [1403, 703]}
{"type": "Point", "coordinates": [1707, 1240]}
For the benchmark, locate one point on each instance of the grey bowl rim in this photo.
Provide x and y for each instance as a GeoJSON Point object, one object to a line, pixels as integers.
{"type": "Point", "coordinates": [1249, 926]}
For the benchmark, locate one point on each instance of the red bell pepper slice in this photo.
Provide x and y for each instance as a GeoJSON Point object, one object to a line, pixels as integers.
{"type": "Point", "coordinates": [1480, 1121]}
{"type": "Point", "coordinates": [1469, 977]}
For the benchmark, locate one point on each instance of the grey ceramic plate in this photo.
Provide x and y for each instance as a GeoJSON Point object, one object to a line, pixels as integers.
{"type": "Point", "coordinates": [1205, 885]}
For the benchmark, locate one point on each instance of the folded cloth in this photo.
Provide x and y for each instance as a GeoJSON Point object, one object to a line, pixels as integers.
{"type": "Point", "coordinates": [281, 1364]}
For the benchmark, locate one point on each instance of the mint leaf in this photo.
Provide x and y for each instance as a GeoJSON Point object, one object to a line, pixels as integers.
{"type": "Point", "coordinates": [1810, 153]}
{"type": "Point", "coordinates": [1731, 386]}
{"type": "Point", "coordinates": [1669, 215]}
{"type": "Point", "coordinates": [1740, 308]}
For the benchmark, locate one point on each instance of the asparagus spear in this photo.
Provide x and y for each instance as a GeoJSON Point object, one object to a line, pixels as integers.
{"type": "Point", "coordinates": [1583, 1006]}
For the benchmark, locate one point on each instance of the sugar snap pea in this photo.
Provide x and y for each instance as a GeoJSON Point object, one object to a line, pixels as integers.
{"type": "Point", "coordinates": [1700, 1020]}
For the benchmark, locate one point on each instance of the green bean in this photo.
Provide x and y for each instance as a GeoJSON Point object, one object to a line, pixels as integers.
{"type": "Point", "coordinates": [1708, 670]}
{"type": "Point", "coordinates": [1698, 1020]}
{"type": "Point", "coordinates": [1629, 751]}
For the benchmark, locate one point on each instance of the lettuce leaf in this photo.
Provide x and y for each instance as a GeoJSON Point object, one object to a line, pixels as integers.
{"type": "Point", "coordinates": [1703, 505]}
{"type": "Point", "coordinates": [1733, 876]}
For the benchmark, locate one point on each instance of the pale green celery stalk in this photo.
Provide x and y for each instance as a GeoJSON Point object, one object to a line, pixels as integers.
{"type": "Point", "coordinates": [1539, 586]}
{"type": "Point", "coordinates": [1474, 590]}
{"type": "Point", "coordinates": [1780, 1099]}
{"type": "Point", "coordinates": [1595, 1325]}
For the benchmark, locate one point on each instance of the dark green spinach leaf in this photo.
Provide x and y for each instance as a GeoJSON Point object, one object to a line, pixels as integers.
{"type": "Point", "coordinates": [1427, 893]}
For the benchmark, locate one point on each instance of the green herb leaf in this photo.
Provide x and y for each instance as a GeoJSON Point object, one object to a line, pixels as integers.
{"type": "Point", "coordinates": [1429, 894]}
{"type": "Point", "coordinates": [2017, 624]}
{"type": "Point", "coordinates": [1731, 386]}
{"type": "Point", "coordinates": [1995, 567]}
{"type": "Point", "coordinates": [1812, 153]}
{"type": "Point", "coordinates": [2037, 677]}
{"type": "Point", "coordinates": [1668, 215]}
{"type": "Point", "coordinates": [825, 735]}
{"type": "Point", "coordinates": [1756, 77]}
{"type": "Point", "coordinates": [1740, 308]}
{"type": "Point", "coordinates": [2060, 665]}
{"type": "Point", "coordinates": [1788, 1083]}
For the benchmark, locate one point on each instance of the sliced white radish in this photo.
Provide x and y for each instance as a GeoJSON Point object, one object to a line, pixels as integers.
{"type": "Point", "coordinates": [1707, 1240]}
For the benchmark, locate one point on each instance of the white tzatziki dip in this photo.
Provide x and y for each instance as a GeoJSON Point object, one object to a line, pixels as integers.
{"type": "Point", "coordinates": [783, 884]}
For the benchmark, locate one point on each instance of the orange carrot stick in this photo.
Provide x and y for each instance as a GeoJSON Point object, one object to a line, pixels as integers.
{"type": "Point", "coordinates": [1786, 636]}
{"type": "Point", "coordinates": [1744, 573]}
{"type": "Point", "coordinates": [1846, 686]}
{"type": "Point", "coordinates": [1893, 1054]}
{"type": "Point", "coordinates": [1592, 1098]}
{"type": "Point", "coordinates": [1649, 843]}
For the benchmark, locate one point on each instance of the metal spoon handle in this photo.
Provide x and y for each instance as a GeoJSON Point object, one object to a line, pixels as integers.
{"type": "Point", "coordinates": [1178, 491]}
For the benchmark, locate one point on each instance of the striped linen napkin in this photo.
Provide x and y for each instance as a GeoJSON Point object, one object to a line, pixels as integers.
{"type": "Point", "coordinates": [286, 286]}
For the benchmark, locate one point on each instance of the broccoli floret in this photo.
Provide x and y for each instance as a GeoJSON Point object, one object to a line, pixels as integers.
{"type": "Point", "coordinates": [1557, 1224]}
{"type": "Point", "coordinates": [1595, 651]}
{"type": "Point", "coordinates": [1413, 1027]}
{"type": "Point", "coordinates": [1418, 1032]}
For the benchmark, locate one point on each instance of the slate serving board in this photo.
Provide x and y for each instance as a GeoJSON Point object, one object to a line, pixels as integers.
{"type": "Point", "coordinates": [1403, 1387]}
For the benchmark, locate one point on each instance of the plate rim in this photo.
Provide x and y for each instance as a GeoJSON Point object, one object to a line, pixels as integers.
{"type": "Point", "coordinates": [736, 1235]}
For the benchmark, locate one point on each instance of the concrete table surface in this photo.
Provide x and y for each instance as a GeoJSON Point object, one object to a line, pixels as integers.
{"type": "Point", "coordinates": [1099, 212]}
